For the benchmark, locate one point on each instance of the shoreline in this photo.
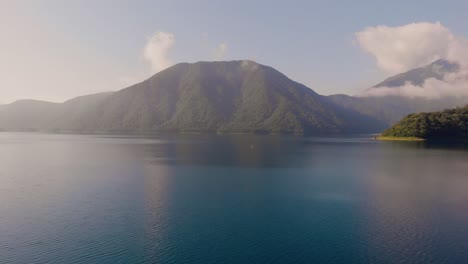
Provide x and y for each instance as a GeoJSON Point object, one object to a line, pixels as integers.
{"type": "Point", "coordinates": [390, 138]}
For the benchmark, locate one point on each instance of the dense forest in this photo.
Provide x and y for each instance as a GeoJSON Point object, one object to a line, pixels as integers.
{"type": "Point", "coordinates": [448, 124]}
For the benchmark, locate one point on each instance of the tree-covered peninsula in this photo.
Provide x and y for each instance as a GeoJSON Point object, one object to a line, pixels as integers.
{"type": "Point", "coordinates": [448, 124]}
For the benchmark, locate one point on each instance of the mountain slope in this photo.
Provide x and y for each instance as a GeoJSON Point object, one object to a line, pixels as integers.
{"type": "Point", "coordinates": [236, 96]}
{"type": "Point", "coordinates": [74, 112]}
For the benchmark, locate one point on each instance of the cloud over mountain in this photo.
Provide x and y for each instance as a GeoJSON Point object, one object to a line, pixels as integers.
{"type": "Point", "coordinates": [398, 49]}
{"type": "Point", "coordinates": [221, 51]}
{"type": "Point", "coordinates": [156, 51]}
{"type": "Point", "coordinates": [417, 45]}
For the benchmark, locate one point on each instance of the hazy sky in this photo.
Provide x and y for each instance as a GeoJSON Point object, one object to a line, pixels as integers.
{"type": "Point", "coordinates": [55, 50]}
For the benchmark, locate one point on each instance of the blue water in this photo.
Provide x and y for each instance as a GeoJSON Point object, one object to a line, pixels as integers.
{"type": "Point", "coordinates": [231, 199]}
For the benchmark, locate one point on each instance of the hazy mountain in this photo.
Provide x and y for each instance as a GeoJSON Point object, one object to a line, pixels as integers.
{"type": "Point", "coordinates": [390, 109]}
{"type": "Point", "coordinates": [438, 69]}
{"type": "Point", "coordinates": [31, 115]}
{"type": "Point", "coordinates": [236, 96]}
{"type": "Point", "coordinates": [75, 111]}
{"type": "Point", "coordinates": [26, 114]}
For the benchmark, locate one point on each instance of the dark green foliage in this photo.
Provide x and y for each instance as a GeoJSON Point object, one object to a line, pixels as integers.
{"type": "Point", "coordinates": [447, 124]}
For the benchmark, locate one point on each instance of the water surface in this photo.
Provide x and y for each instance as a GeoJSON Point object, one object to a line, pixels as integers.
{"type": "Point", "coordinates": [231, 199]}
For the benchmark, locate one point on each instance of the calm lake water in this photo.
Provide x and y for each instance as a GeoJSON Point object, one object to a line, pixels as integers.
{"type": "Point", "coordinates": [231, 199]}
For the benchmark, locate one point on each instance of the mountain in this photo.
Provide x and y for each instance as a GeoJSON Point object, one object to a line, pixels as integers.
{"type": "Point", "coordinates": [75, 111]}
{"type": "Point", "coordinates": [448, 124]}
{"type": "Point", "coordinates": [225, 97]}
{"type": "Point", "coordinates": [33, 115]}
{"type": "Point", "coordinates": [438, 69]}
{"type": "Point", "coordinates": [26, 115]}
{"type": "Point", "coordinates": [391, 108]}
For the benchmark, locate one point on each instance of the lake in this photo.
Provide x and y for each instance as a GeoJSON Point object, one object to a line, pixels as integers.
{"type": "Point", "coordinates": [231, 199]}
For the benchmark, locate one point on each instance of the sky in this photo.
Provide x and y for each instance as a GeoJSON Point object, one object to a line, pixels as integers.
{"type": "Point", "coordinates": [55, 50]}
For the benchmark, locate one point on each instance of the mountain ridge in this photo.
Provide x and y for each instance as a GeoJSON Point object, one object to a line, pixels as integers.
{"type": "Point", "coordinates": [224, 97]}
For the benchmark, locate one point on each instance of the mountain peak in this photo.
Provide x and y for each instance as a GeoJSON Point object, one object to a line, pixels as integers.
{"type": "Point", "coordinates": [210, 67]}
{"type": "Point", "coordinates": [241, 63]}
{"type": "Point", "coordinates": [444, 66]}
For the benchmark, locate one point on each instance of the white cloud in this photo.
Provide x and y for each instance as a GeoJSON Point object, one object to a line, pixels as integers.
{"type": "Point", "coordinates": [156, 51]}
{"type": "Point", "coordinates": [221, 51]}
{"type": "Point", "coordinates": [398, 49]}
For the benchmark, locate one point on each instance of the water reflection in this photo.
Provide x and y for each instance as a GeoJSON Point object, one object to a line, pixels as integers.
{"type": "Point", "coordinates": [246, 150]}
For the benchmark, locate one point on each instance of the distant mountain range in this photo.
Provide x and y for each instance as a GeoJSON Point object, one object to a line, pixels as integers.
{"type": "Point", "coordinates": [222, 97]}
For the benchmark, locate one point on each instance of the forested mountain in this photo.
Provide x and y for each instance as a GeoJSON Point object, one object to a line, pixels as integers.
{"type": "Point", "coordinates": [448, 124]}
{"type": "Point", "coordinates": [235, 96]}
